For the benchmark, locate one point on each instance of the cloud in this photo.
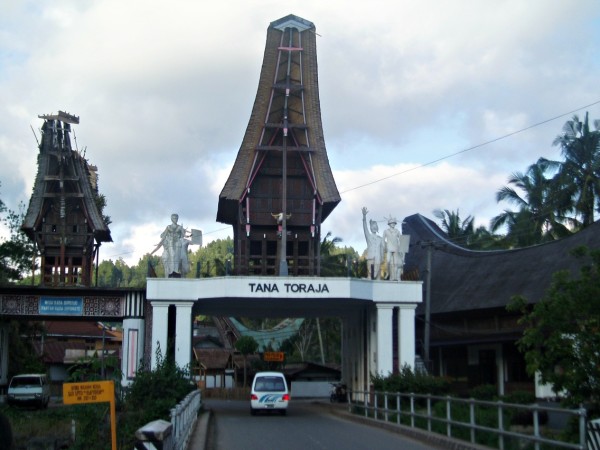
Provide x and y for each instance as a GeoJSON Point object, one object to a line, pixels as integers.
{"type": "Point", "coordinates": [165, 91]}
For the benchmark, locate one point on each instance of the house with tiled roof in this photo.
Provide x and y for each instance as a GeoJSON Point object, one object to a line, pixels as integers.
{"type": "Point", "coordinates": [64, 344]}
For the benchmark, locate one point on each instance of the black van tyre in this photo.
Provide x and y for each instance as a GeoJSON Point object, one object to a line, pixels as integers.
{"type": "Point", "coordinates": [252, 411]}
{"type": "Point", "coordinates": [283, 412]}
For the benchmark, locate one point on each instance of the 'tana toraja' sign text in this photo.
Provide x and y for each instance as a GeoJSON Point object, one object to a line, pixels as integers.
{"type": "Point", "coordinates": [289, 288]}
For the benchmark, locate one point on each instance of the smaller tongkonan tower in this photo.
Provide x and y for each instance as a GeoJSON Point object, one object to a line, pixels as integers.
{"type": "Point", "coordinates": [281, 187]}
{"type": "Point", "coordinates": [64, 218]}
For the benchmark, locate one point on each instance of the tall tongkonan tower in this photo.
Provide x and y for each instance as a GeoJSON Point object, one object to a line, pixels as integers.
{"type": "Point", "coordinates": [281, 187]}
{"type": "Point", "coordinates": [64, 218]}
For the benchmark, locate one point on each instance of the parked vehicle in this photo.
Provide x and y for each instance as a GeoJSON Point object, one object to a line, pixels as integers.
{"type": "Point", "coordinates": [339, 393]}
{"type": "Point", "coordinates": [29, 389]}
{"type": "Point", "coordinates": [269, 392]}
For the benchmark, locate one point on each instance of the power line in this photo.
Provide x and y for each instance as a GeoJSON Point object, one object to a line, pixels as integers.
{"type": "Point", "coordinates": [543, 122]}
{"type": "Point", "coordinates": [491, 141]}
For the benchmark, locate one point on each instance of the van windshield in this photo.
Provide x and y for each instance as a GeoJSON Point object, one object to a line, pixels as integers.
{"type": "Point", "coordinates": [269, 384]}
{"type": "Point", "coordinates": [25, 381]}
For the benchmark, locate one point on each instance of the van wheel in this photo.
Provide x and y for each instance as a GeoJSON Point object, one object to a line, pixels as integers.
{"type": "Point", "coordinates": [252, 411]}
{"type": "Point", "coordinates": [283, 412]}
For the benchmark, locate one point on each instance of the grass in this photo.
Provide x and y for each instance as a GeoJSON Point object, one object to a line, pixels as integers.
{"type": "Point", "coordinates": [53, 424]}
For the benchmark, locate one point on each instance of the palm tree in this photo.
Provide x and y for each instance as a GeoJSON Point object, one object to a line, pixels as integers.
{"type": "Point", "coordinates": [540, 214]}
{"type": "Point", "coordinates": [579, 175]}
{"type": "Point", "coordinates": [458, 230]}
{"type": "Point", "coordinates": [333, 261]}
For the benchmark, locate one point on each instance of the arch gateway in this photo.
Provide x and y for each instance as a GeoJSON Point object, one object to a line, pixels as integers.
{"type": "Point", "coordinates": [370, 311]}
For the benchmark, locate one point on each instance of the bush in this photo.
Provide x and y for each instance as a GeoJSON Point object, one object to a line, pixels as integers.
{"type": "Point", "coordinates": [408, 381]}
{"type": "Point", "coordinates": [152, 395]}
{"type": "Point", "coordinates": [155, 392]}
{"type": "Point", "coordinates": [484, 392]}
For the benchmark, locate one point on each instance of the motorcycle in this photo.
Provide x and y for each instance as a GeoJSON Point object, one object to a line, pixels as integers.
{"type": "Point", "coordinates": [339, 393]}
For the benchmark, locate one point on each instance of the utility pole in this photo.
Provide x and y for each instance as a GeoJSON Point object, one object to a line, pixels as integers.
{"type": "Point", "coordinates": [429, 246]}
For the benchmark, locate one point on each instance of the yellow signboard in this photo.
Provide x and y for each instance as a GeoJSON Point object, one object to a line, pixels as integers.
{"type": "Point", "coordinates": [93, 392]}
{"type": "Point", "coordinates": [89, 392]}
{"type": "Point", "coordinates": [273, 356]}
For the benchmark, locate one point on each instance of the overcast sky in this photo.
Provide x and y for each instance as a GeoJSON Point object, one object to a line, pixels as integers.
{"type": "Point", "coordinates": [164, 91]}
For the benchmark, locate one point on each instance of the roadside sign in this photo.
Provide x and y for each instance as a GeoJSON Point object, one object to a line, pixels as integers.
{"type": "Point", "coordinates": [93, 392]}
{"type": "Point", "coordinates": [90, 392]}
{"type": "Point", "coordinates": [274, 356]}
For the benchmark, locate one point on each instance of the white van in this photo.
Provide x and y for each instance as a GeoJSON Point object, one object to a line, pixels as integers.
{"type": "Point", "coordinates": [29, 389]}
{"type": "Point", "coordinates": [269, 392]}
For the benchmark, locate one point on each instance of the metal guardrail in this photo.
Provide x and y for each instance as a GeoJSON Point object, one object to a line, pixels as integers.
{"type": "Point", "coordinates": [417, 411]}
{"type": "Point", "coordinates": [183, 419]}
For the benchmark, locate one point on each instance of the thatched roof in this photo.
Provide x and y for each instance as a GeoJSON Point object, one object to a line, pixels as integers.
{"type": "Point", "coordinates": [468, 280]}
{"type": "Point", "coordinates": [77, 169]}
{"type": "Point", "coordinates": [236, 184]}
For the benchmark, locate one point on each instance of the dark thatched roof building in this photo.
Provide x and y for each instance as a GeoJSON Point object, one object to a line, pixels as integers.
{"type": "Point", "coordinates": [472, 335]}
{"type": "Point", "coordinates": [64, 218]}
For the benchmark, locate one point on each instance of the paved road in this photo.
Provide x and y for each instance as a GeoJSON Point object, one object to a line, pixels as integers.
{"type": "Point", "coordinates": [306, 426]}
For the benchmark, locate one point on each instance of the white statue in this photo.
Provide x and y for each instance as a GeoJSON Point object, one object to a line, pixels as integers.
{"type": "Point", "coordinates": [374, 246]}
{"type": "Point", "coordinates": [396, 246]}
{"type": "Point", "coordinates": [175, 248]}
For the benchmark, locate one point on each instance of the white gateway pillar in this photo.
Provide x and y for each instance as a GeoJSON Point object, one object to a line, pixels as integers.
{"type": "Point", "coordinates": [183, 330]}
{"type": "Point", "coordinates": [385, 340]}
{"type": "Point", "coordinates": [406, 335]}
{"type": "Point", "coordinates": [160, 324]}
{"type": "Point", "coordinates": [183, 333]}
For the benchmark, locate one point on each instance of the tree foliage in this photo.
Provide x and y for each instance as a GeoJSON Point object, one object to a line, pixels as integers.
{"type": "Point", "coordinates": [562, 331]}
{"type": "Point", "coordinates": [579, 176]}
{"type": "Point", "coordinates": [246, 345]}
{"type": "Point", "coordinates": [16, 252]}
{"type": "Point", "coordinates": [23, 357]}
{"type": "Point", "coordinates": [553, 199]}
{"type": "Point", "coordinates": [154, 392]}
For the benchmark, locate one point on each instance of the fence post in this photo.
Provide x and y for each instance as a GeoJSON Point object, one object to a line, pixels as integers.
{"type": "Point", "coordinates": [398, 408]}
{"type": "Point", "coordinates": [428, 412]}
{"type": "Point", "coordinates": [412, 409]}
{"type": "Point", "coordinates": [385, 406]}
{"type": "Point", "coordinates": [500, 426]}
{"type": "Point", "coordinates": [448, 417]}
{"type": "Point", "coordinates": [156, 434]}
{"type": "Point", "coordinates": [536, 426]}
{"type": "Point", "coordinates": [582, 438]}
{"type": "Point", "coordinates": [472, 419]}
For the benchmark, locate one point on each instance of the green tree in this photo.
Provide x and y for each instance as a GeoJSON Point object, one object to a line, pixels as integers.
{"type": "Point", "coordinates": [460, 231]}
{"type": "Point", "coordinates": [246, 345]}
{"type": "Point", "coordinates": [579, 176]}
{"type": "Point", "coordinates": [212, 258]}
{"type": "Point", "coordinates": [108, 274]}
{"type": "Point", "coordinates": [562, 331]}
{"type": "Point", "coordinates": [23, 357]}
{"type": "Point", "coordinates": [537, 219]}
{"type": "Point", "coordinates": [16, 252]}
{"type": "Point", "coordinates": [333, 260]}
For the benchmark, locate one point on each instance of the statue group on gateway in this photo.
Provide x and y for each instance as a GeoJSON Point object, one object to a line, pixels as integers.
{"type": "Point", "coordinates": [385, 254]}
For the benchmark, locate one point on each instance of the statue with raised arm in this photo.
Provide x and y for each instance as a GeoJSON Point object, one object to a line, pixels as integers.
{"type": "Point", "coordinates": [396, 246]}
{"type": "Point", "coordinates": [374, 246]}
{"type": "Point", "coordinates": [174, 243]}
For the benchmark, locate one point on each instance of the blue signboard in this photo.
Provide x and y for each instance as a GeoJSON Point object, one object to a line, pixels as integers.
{"type": "Point", "coordinates": [61, 306]}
